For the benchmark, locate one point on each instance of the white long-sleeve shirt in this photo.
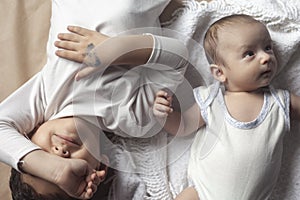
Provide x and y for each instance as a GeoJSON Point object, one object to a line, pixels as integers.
{"type": "Point", "coordinates": [112, 97]}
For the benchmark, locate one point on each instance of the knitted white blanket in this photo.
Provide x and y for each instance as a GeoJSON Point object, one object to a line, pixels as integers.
{"type": "Point", "coordinates": [282, 18]}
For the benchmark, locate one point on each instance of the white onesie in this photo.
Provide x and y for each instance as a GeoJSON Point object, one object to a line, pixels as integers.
{"type": "Point", "coordinates": [233, 160]}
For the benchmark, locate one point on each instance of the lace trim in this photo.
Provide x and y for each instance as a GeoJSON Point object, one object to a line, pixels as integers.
{"type": "Point", "coordinates": [245, 125]}
{"type": "Point", "coordinates": [205, 103]}
{"type": "Point", "coordinates": [284, 106]}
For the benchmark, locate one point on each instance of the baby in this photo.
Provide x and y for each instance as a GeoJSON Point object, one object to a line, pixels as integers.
{"type": "Point", "coordinates": [236, 154]}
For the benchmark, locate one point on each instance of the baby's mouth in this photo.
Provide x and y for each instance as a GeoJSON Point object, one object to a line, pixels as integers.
{"type": "Point", "coordinates": [266, 73]}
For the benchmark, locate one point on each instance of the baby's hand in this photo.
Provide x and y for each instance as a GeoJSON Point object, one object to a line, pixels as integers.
{"type": "Point", "coordinates": [77, 44]}
{"type": "Point", "coordinates": [162, 104]}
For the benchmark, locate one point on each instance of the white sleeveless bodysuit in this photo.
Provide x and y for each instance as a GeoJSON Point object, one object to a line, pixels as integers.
{"type": "Point", "coordinates": [232, 160]}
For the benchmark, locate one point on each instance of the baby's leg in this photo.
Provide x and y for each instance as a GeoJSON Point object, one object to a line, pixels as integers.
{"type": "Point", "coordinates": [188, 194]}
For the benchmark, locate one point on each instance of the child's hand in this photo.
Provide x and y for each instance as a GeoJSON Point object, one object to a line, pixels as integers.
{"type": "Point", "coordinates": [78, 179]}
{"type": "Point", "coordinates": [162, 104]}
{"type": "Point", "coordinates": [78, 43]}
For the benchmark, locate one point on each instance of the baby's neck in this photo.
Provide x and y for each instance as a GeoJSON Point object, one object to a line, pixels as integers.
{"type": "Point", "coordinates": [244, 106]}
{"type": "Point", "coordinates": [256, 91]}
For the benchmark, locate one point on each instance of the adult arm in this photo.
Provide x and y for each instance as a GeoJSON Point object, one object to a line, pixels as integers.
{"type": "Point", "coordinates": [20, 113]}
{"type": "Point", "coordinates": [99, 51]}
{"type": "Point", "coordinates": [74, 176]}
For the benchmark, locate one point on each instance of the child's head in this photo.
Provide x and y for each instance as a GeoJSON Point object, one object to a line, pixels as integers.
{"type": "Point", "coordinates": [59, 137]}
{"type": "Point", "coordinates": [241, 53]}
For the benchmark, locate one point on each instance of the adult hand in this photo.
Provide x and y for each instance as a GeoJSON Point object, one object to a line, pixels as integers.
{"type": "Point", "coordinates": [77, 178]}
{"type": "Point", "coordinates": [74, 176]}
{"type": "Point", "coordinates": [76, 44]}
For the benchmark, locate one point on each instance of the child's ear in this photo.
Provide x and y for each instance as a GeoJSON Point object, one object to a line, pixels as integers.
{"type": "Point", "coordinates": [218, 73]}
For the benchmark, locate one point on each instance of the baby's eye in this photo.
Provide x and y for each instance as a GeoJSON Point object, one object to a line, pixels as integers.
{"type": "Point", "coordinates": [268, 48]}
{"type": "Point", "coordinates": [249, 53]}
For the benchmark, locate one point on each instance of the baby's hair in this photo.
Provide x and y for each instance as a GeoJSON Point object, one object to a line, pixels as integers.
{"type": "Point", "coordinates": [23, 191]}
{"type": "Point", "coordinates": [210, 42]}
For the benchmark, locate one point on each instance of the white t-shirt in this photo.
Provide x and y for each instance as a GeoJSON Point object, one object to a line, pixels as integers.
{"type": "Point", "coordinates": [53, 93]}
{"type": "Point", "coordinates": [238, 160]}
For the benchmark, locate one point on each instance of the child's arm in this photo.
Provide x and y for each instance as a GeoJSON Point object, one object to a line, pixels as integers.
{"type": "Point", "coordinates": [176, 123]}
{"type": "Point", "coordinates": [295, 106]}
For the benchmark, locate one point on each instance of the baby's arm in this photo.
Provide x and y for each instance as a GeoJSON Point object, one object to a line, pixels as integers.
{"type": "Point", "coordinates": [189, 193]}
{"type": "Point", "coordinates": [175, 122]}
{"type": "Point", "coordinates": [295, 106]}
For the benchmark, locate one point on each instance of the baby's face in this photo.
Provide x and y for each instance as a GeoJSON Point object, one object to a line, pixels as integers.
{"type": "Point", "coordinates": [247, 52]}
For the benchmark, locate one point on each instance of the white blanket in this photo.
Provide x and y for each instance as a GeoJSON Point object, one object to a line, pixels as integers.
{"type": "Point", "coordinates": [159, 163]}
{"type": "Point", "coordinates": [282, 18]}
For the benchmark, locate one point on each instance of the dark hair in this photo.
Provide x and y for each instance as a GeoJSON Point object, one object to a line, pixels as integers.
{"type": "Point", "coordinates": [23, 191]}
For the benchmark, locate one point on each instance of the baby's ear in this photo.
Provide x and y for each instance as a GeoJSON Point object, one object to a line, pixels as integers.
{"type": "Point", "coordinates": [218, 73]}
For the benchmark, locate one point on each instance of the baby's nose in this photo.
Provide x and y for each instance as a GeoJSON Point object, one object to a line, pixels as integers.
{"type": "Point", "coordinates": [61, 151]}
{"type": "Point", "coordinates": [265, 58]}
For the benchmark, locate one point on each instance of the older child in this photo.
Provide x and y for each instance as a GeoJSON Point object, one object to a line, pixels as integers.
{"type": "Point", "coordinates": [237, 154]}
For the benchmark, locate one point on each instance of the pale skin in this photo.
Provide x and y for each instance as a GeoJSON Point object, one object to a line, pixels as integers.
{"type": "Point", "coordinates": [73, 46]}
{"type": "Point", "coordinates": [249, 64]}
{"type": "Point", "coordinates": [75, 176]}
{"type": "Point", "coordinates": [71, 169]}
{"type": "Point", "coordinates": [79, 179]}
{"type": "Point", "coordinates": [77, 42]}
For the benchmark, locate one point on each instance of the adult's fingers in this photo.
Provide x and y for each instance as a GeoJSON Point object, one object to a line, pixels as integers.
{"type": "Point", "coordinates": [70, 55]}
{"type": "Point", "coordinates": [79, 30]}
{"type": "Point", "coordinates": [69, 37]}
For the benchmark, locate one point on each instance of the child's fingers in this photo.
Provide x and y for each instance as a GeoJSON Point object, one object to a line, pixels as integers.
{"type": "Point", "coordinates": [162, 101]}
{"type": "Point", "coordinates": [161, 110]}
{"type": "Point", "coordinates": [162, 93]}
